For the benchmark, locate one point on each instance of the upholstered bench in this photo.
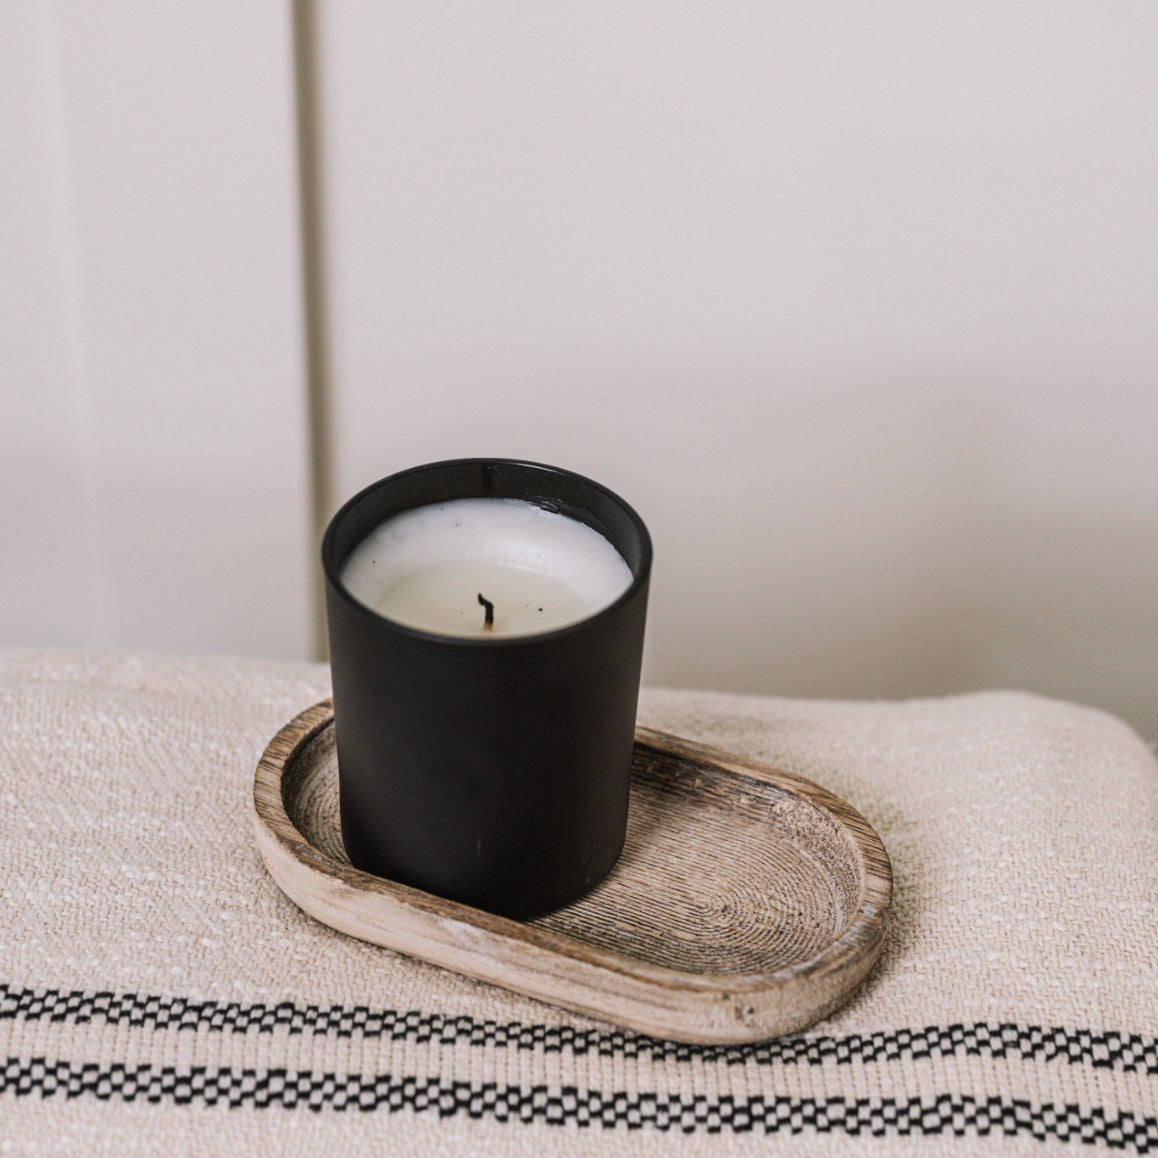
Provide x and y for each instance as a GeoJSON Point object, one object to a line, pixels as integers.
{"type": "Point", "coordinates": [160, 995]}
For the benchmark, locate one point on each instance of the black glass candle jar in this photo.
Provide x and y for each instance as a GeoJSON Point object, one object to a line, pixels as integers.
{"type": "Point", "coordinates": [491, 770]}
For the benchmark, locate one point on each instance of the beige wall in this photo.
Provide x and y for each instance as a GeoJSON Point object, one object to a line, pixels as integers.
{"type": "Point", "coordinates": [154, 488]}
{"type": "Point", "coordinates": [855, 307]}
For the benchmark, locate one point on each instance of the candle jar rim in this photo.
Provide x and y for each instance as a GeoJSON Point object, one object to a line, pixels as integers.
{"type": "Point", "coordinates": [492, 480]}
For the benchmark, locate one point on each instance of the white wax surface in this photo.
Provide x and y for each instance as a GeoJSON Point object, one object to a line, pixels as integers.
{"type": "Point", "coordinates": [427, 567]}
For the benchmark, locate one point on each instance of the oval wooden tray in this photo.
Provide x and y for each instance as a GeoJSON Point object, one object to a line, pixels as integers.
{"type": "Point", "coordinates": [747, 903]}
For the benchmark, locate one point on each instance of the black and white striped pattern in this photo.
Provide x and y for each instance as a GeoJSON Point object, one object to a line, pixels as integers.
{"type": "Point", "coordinates": [1129, 1053]}
{"type": "Point", "coordinates": [947, 1113]}
{"type": "Point", "coordinates": [961, 1116]}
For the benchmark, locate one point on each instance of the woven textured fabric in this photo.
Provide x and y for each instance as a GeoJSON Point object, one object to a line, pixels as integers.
{"type": "Point", "coordinates": [159, 995]}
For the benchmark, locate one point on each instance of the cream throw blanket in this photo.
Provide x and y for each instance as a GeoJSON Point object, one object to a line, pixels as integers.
{"type": "Point", "coordinates": [159, 995]}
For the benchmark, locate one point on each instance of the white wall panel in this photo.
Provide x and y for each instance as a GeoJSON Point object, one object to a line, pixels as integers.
{"type": "Point", "coordinates": [50, 581]}
{"type": "Point", "coordinates": [855, 304]}
{"type": "Point", "coordinates": [158, 383]}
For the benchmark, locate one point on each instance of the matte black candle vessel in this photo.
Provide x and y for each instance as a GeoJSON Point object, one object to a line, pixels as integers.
{"type": "Point", "coordinates": [493, 771]}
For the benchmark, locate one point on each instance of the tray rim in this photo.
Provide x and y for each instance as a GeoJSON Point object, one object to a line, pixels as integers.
{"type": "Point", "coordinates": [660, 1000]}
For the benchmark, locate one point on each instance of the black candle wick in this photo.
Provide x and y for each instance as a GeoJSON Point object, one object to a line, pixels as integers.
{"type": "Point", "coordinates": [490, 615]}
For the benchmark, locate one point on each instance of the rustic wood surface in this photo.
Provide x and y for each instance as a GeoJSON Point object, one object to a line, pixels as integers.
{"type": "Point", "coordinates": [748, 902]}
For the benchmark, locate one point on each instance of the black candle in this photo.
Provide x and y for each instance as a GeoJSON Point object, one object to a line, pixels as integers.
{"type": "Point", "coordinates": [487, 768]}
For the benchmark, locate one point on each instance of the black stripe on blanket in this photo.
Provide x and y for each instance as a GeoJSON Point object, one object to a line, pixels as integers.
{"type": "Point", "coordinates": [950, 1114]}
{"type": "Point", "coordinates": [1127, 1053]}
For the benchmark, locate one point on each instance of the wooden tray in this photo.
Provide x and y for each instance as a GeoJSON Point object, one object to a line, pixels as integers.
{"type": "Point", "coordinates": [747, 903]}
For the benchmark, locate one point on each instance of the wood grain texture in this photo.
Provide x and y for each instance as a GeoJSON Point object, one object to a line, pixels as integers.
{"type": "Point", "coordinates": [747, 903]}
